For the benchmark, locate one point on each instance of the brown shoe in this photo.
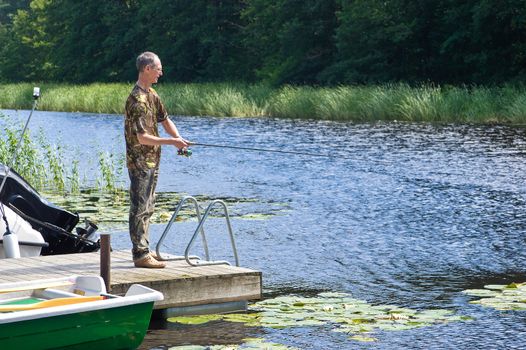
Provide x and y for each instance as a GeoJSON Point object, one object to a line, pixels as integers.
{"type": "Point", "coordinates": [155, 256]}
{"type": "Point", "coordinates": [149, 262]}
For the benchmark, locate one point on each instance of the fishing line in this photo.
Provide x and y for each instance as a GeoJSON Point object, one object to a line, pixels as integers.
{"type": "Point", "coordinates": [262, 150]}
{"type": "Point", "coordinates": [188, 152]}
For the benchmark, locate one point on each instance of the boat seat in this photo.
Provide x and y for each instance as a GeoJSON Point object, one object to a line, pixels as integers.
{"type": "Point", "coordinates": [49, 303]}
{"type": "Point", "coordinates": [50, 293]}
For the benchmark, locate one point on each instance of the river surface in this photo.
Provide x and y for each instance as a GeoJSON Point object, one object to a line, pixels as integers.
{"type": "Point", "coordinates": [400, 213]}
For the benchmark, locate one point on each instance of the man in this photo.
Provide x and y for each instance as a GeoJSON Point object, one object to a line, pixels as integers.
{"type": "Point", "coordinates": [144, 110]}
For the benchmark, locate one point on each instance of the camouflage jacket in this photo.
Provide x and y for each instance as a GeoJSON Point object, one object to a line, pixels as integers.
{"type": "Point", "coordinates": [143, 111]}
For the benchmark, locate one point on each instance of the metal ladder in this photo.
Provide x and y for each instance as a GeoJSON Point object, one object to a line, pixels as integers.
{"type": "Point", "coordinates": [199, 229]}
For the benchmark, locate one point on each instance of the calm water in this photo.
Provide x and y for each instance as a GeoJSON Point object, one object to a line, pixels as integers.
{"type": "Point", "coordinates": [405, 214]}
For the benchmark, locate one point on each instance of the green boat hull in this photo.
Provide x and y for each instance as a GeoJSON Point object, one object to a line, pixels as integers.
{"type": "Point", "coordinates": [112, 328]}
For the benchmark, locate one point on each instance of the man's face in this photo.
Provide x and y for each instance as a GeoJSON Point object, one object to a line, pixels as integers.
{"type": "Point", "coordinates": [154, 71]}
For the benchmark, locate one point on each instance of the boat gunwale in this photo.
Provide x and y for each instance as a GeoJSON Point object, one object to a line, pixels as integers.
{"type": "Point", "coordinates": [144, 295]}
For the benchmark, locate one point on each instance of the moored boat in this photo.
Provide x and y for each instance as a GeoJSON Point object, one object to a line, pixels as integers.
{"type": "Point", "coordinates": [73, 313]}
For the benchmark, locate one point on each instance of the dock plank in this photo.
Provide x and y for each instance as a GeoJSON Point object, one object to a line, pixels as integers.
{"type": "Point", "coordinates": [181, 284]}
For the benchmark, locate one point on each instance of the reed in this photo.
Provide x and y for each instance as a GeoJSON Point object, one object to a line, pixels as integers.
{"type": "Point", "coordinates": [44, 165]}
{"type": "Point", "coordinates": [222, 100]}
{"type": "Point", "coordinates": [429, 103]}
{"type": "Point", "coordinates": [107, 165]}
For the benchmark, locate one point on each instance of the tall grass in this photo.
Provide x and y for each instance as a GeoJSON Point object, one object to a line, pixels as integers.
{"type": "Point", "coordinates": [44, 166]}
{"type": "Point", "coordinates": [400, 102]}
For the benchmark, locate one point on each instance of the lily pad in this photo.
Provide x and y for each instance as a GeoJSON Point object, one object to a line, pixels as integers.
{"type": "Point", "coordinates": [481, 292]}
{"type": "Point", "coordinates": [200, 319]}
{"type": "Point", "coordinates": [494, 286]}
{"type": "Point", "coordinates": [249, 343]}
{"type": "Point", "coordinates": [110, 210]}
{"type": "Point", "coordinates": [501, 297]}
{"type": "Point", "coordinates": [363, 338]}
{"type": "Point", "coordinates": [337, 310]}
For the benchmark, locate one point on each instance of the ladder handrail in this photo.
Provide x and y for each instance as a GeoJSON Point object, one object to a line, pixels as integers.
{"type": "Point", "coordinates": [200, 227]}
{"type": "Point", "coordinates": [172, 219]}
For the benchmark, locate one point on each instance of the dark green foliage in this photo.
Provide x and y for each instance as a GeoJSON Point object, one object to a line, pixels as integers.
{"type": "Point", "coordinates": [292, 39]}
{"type": "Point", "coordinates": [9, 7]}
{"type": "Point", "coordinates": [97, 40]}
{"type": "Point", "coordinates": [326, 42]}
{"type": "Point", "coordinates": [197, 40]}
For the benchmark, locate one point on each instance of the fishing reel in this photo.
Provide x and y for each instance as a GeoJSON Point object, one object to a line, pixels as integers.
{"type": "Point", "coordinates": [184, 152]}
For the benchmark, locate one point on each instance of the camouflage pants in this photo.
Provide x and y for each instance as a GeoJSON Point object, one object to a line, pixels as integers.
{"type": "Point", "coordinates": [142, 202]}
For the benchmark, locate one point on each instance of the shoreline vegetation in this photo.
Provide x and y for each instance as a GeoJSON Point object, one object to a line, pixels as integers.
{"type": "Point", "coordinates": [46, 167]}
{"type": "Point", "coordinates": [390, 102]}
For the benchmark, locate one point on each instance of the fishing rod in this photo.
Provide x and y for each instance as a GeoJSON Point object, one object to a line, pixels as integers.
{"type": "Point", "coordinates": [187, 152]}
{"type": "Point", "coordinates": [36, 95]}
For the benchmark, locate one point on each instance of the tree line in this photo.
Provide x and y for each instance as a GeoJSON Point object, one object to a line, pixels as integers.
{"type": "Point", "coordinates": [315, 42]}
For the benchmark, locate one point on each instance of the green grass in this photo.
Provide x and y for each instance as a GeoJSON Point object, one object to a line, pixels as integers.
{"type": "Point", "coordinates": [399, 102]}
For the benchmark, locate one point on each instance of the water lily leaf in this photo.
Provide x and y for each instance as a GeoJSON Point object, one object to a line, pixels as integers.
{"type": "Point", "coordinates": [188, 347]}
{"type": "Point", "coordinates": [362, 320]}
{"type": "Point", "coordinates": [363, 338]}
{"type": "Point", "coordinates": [344, 313]}
{"type": "Point", "coordinates": [333, 295]}
{"type": "Point", "coordinates": [494, 286]}
{"type": "Point", "coordinates": [306, 323]}
{"type": "Point", "coordinates": [398, 326]}
{"type": "Point", "coordinates": [359, 328]}
{"type": "Point", "coordinates": [480, 292]}
{"type": "Point", "coordinates": [346, 329]}
{"type": "Point", "coordinates": [260, 343]}
{"type": "Point", "coordinates": [243, 318]}
{"type": "Point", "coordinates": [194, 319]}
{"type": "Point", "coordinates": [403, 311]}
{"type": "Point", "coordinates": [434, 314]}
{"type": "Point", "coordinates": [509, 297]}
{"type": "Point", "coordinates": [328, 308]}
{"type": "Point", "coordinates": [106, 208]}
{"type": "Point", "coordinates": [394, 316]}
{"type": "Point", "coordinates": [165, 216]}
{"type": "Point", "coordinates": [256, 216]}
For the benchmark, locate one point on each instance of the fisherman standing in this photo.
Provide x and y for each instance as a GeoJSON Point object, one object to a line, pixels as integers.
{"type": "Point", "coordinates": [144, 110]}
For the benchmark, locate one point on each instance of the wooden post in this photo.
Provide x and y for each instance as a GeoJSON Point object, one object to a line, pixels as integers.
{"type": "Point", "coordinates": [105, 260]}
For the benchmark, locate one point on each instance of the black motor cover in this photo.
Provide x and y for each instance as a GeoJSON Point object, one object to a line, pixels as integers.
{"type": "Point", "coordinates": [45, 217]}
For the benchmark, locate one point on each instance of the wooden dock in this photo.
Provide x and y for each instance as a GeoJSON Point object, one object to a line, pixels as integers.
{"type": "Point", "coordinates": [182, 285]}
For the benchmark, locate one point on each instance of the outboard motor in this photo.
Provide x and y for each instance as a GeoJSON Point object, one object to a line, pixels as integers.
{"type": "Point", "coordinates": [54, 224]}
{"type": "Point", "coordinates": [89, 232]}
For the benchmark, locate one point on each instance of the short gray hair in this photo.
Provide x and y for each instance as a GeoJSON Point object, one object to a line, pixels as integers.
{"type": "Point", "coordinates": [145, 59]}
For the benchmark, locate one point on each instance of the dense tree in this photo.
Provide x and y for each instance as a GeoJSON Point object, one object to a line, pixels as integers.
{"type": "Point", "coordinates": [25, 53]}
{"type": "Point", "coordinates": [93, 40]}
{"type": "Point", "coordinates": [290, 41]}
{"type": "Point", "coordinates": [9, 7]}
{"type": "Point", "coordinates": [278, 41]}
{"type": "Point", "coordinates": [379, 40]}
{"type": "Point", "coordinates": [198, 40]}
{"type": "Point", "coordinates": [498, 40]}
